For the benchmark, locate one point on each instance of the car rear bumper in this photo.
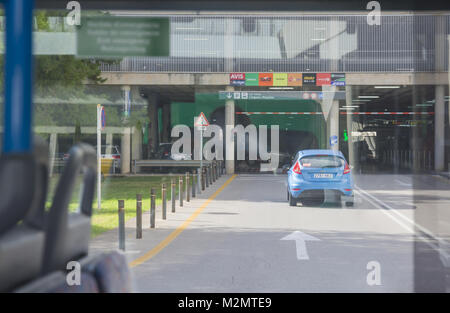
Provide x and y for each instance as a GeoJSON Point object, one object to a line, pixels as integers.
{"type": "Point", "coordinates": [343, 188]}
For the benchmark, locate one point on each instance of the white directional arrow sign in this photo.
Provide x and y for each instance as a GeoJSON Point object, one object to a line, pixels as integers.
{"type": "Point", "coordinates": [300, 238]}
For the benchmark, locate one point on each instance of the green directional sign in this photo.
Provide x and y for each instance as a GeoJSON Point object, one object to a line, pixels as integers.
{"type": "Point", "coordinates": [112, 36]}
{"type": "Point", "coordinates": [281, 95]}
{"type": "Point", "coordinates": [251, 79]}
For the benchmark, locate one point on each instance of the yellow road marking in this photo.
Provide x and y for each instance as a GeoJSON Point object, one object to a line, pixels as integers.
{"type": "Point", "coordinates": [180, 229]}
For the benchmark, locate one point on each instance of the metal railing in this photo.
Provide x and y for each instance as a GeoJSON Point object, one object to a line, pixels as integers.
{"type": "Point", "coordinates": [297, 43]}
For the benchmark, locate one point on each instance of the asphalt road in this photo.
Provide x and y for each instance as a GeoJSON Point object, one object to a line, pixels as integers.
{"type": "Point", "coordinates": [392, 240]}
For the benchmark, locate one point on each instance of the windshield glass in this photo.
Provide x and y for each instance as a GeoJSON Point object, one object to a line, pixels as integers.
{"type": "Point", "coordinates": [201, 113]}
{"type": "Point", "coordinates": [321, 161]}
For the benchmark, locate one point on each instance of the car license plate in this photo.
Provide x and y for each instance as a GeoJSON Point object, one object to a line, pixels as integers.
{"type": "Point", "coordinates": [323, 175]}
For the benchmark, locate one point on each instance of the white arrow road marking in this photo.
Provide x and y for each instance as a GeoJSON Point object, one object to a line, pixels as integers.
{"type": "Point", "coordinates": [300, 238]}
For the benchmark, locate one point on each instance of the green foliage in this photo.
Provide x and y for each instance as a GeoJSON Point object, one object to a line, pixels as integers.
{"type": "Point", "coordinates": [65, 71]}
{"type": "Point", "coordinates": [68, 114]}
{"type": "Point", "coordinates": [42, 21]}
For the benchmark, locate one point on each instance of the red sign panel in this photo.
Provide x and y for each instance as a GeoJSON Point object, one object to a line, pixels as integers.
{"type": "Point", "coordinates": [323, 79]}
{"type": "Point", "coordinates": [237, 76]}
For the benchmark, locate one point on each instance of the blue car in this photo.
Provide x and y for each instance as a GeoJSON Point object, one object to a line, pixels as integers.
{"type": "Point", "coordinates": [314, 171]}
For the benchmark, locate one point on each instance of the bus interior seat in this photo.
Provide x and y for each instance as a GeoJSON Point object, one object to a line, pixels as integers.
{"type": "Point", "coordinates": [101, 273]}
{"type": "Point", "coordinates": [56, 283]}
{"type": "Point", "coordinates": [68, 234]}
{"type": "Point", "coordinates": [41, 244]}
{"type": "Point", "coordinates": [110, 270]}
{"type": "Point", "coordinates": [23, 186]}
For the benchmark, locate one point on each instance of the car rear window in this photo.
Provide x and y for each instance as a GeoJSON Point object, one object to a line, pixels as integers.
{"type": "Point", "coordinates": [321, 161]}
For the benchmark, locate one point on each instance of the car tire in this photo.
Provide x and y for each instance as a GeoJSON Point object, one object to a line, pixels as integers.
{"type": "Point", "coordinates": [349, 203]}
{"type": "Point", "coordinates": [292, 200]}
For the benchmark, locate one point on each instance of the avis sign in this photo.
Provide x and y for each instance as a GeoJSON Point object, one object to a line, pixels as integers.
{"type": "Point", "coordinates": [237, 79]}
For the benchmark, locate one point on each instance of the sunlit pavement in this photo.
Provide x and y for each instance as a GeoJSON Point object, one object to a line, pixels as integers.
{"type": "Point", "coordinates": [235, 244]}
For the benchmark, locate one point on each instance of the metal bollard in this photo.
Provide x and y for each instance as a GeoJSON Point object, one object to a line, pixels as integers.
{"type": "Point", "coordinates": [213, 175]}
{"type": "Point", "coordinates": [164, 201]}
{"type": "Point", "coordinates": [121, 225]}
{"type": "Point", "coordinates": [210, 174]}
{"type": "Point", "coordinates": [152, 207]}
{"type": "Point", "coordinates": [172, 193]}
{"type": "Point", "coordinates": [199, 181]}
{"type": "Point", "coordinates": [211, 180]}
{"type": "Point", "coordinates": [207, 176]}
{"type": "Point", "coordinates": [180, 190]}
{"type": "Point", "coordinates": [188, 190]}
{"type": "Point", "coordinates": [203, 178]}
{"type": "Point", "coordinates": [429, 160]}
{"type": "Point", "coordinates": [138, 216]}
{"type": "Point", "coordinates": [194, 184]}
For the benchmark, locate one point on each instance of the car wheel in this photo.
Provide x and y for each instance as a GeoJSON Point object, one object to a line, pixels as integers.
{"type": "Point", "coordinates": [349, 203]}
{"type": "Point", "coordinates": [292, 201]}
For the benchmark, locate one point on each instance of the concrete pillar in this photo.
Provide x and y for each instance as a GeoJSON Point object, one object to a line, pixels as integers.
{"type": "Point", "coordinates": [166, 123]}
{"type": "Point", "coordinates": [136, 144]}
{"type": "Point", "coordinates": [418, 96]}
{"type": "Point", "coordinates": [439, 106]}
{"type": "Point", "coordinates": [333, 50]}
{"type": "Point", "coordinates": [333, 125]}
{"type": "Point", "coordinates": [52, 151]}
{"type": "Point", "coordinates": [439, 134]}
{"type": "Point", "coordinates": [229, 138]}
{"type": "Point", "coordinates": [109, 142]}
{"type": "Point", "coordinates": [125, 150]}
{"type": "Point", "coordinates": [152, 111]}
{"type": "Point", "coordinates": [348, 102]}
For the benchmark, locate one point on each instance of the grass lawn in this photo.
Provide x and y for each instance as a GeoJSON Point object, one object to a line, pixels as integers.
{"type": "Point", "coordinates": [120, 188]}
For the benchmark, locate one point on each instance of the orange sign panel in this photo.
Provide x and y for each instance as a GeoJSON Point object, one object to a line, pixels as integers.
{"type": "Point", "coordinates": [265, 79]}
{"type": "Point", "coordinates": [295, 79]}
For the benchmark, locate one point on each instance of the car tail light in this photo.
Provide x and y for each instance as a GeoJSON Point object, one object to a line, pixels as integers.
{"type": "Point", "coordinates": [116, 156]}
{"type": "Point", "coordinates": [296, 189]}
{"type": "Point", "coordinates": [346, 168]}
{"type": "Point", "coordinates": [296, 168]}
{"type": "Point", "coordinates": [348, 190]}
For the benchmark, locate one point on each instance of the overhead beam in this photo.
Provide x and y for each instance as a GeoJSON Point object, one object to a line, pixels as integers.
{"type": "Point", "coordinates": [223, 79]}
